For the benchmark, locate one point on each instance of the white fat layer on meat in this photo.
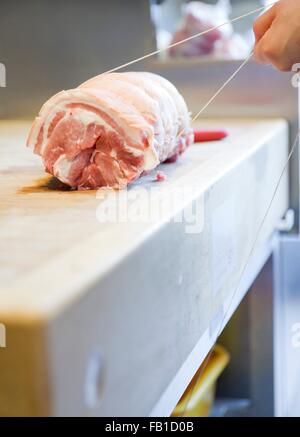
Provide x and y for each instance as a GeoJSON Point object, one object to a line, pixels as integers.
{"type": "Point", "coordinates": [136, 96]}
{"type": "Point", "coordinates": [89, 117]}
{"type": "Point", "coordinates": [83, 115]}
{"type": "Point", "coordinates": [62, 167]}
{"type": "Point", "coordinates": [62, 107]}
{"type": "Point", "coordinates": [170, 112]}
{"type": "Point", "coordinates": [172, 107]}
{"type": "Point", "coordinates": [151, 159]}
{"type": "Point", "coordinates": [135, 152]}
{"type": "Point", "coordinates": [33, 136]}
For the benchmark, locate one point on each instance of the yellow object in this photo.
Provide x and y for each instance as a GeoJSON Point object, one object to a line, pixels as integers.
{"type": "Point", "coordinates": [199, 396]}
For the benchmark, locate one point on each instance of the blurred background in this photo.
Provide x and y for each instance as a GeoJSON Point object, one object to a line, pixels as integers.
{"type": "Point", "coordinates": [46, 49]}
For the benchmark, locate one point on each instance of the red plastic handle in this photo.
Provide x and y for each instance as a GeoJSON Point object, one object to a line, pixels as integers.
{"type": "Point", "coordinates": [209, 135]}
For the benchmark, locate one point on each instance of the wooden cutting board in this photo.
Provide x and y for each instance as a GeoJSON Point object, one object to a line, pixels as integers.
{"type": "Point", "coordinates": [43, 227]}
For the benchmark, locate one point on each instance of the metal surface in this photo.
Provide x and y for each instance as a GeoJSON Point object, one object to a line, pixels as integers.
{"type": "Point", "coordinates": [236, 337]}
{"type": "Point", "coordinates": [249, 339]}
{"type": "Point", "coordinates": [265, 354]}
{"type": "Point", "coordinates": [287, 326]}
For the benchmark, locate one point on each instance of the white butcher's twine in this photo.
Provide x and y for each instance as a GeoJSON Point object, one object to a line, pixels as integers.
{"type": "Point", "coordinates": [295, 143]}
{"type": "Point", "coordinates": [222, 87]}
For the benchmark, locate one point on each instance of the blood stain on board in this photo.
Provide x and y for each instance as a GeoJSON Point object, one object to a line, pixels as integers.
{"type": "Point", "coordinates": [45, 184]}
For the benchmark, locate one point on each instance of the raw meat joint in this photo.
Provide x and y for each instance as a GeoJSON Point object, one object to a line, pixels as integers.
{"type": "Point", "coordinates": [111, 129]}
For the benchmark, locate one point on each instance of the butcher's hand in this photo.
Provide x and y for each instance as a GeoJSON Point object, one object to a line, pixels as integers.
{"type": "Point", "coordinates": [277, 35]}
